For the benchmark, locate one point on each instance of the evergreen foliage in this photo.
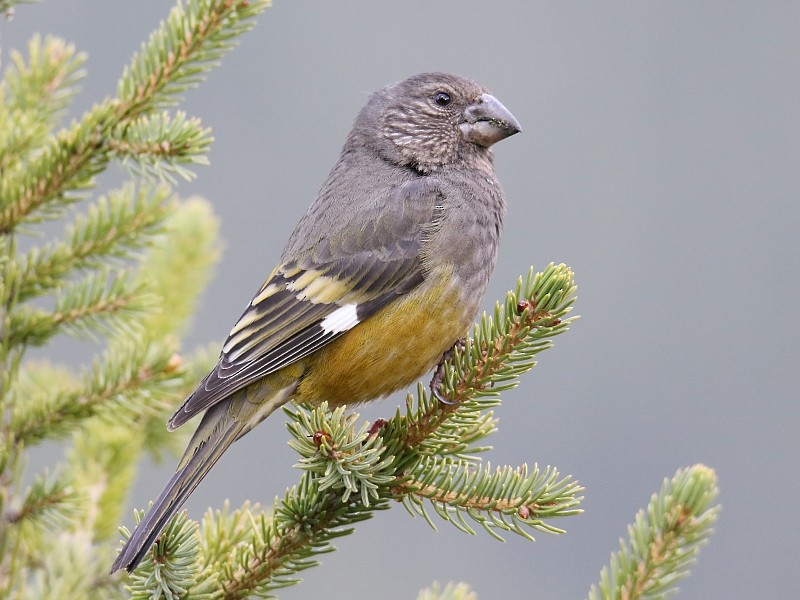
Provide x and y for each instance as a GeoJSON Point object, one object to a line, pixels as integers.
{"type": "Point", "coordinates": [664, 539]}
{"type": "Point", "coordinates": [125, 275]}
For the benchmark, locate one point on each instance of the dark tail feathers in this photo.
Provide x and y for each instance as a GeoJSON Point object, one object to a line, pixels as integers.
{"type": "Point", "coordinates": [174, 494]}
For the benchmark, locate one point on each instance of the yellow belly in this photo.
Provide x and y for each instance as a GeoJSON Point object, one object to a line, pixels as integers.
{"type": "Point", "coordinates": [390, 350]}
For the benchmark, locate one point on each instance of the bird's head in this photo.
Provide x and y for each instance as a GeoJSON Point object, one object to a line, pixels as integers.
{"type": "Point", "coordinates": [434, 119]}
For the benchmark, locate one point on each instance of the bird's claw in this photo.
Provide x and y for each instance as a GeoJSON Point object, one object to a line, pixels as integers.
{"type": "Point", "coordinates": [438, 375]}
{"type": "Point", "coordinates": [376, 427]}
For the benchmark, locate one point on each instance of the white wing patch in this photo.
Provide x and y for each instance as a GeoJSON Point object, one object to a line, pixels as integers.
{"type": "Point", "coordinates": [341, 319]}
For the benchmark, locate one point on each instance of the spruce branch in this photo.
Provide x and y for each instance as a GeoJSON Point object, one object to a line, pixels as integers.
{"type": "Point", "coordinates": [339, 457]}
{"type": "Point", "coordinates": [161, 146]}
{"type": "Point", "coordinates": [48, 81]}
{"type": "Point", "coordinates": [37, 379]}
{"type": "Point", "coordinates": [179, 264]}
{"type": "Point", "coordinates": [113, 227]}
{"type": "Point", "coordinates": [664, 539]}
{"type": "Point", "coordinates": [175, 567]}
{"type": "Point", "coordinates": [49, 502]}
{"type": "Point", "coordinates": [502, 348]}
{"type": "Point", "coordinates": [102, 461]}
{"type": "Point", "coordinates": [129, 269]}
{"type": "Point", "coordinates": [158, 441]}
{"type": "Point", "coordinates": [190, 42]}
{"type": "Point", "coordinates": [50, 401]}
{"type": "Point", "coordinates": [102, 303]}
{"type": "Point", "coordinates": [222, 530]}
{"type": "Point", "coordinates": [505, 499]}
{"type": "Point", "coordinates": [351, 471]}
{"type": "Point", "coordinates": [64, 166]}
{"type": "Point", "coordinates": [304, 525]}
{"type": "Point", "coordinates": [34, 95]}
{"type": "Point", "coordinates": [135, 375]}
{"type": "Point", "coordinates": [141, 370]}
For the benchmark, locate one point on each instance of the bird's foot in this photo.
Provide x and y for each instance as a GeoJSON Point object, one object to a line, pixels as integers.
{"type": "Point", "coordinates": [438, 375]}
{"type": "Point", "coordinates": [318, 436]}
{"type": "Point", "coordinates": [376, 427]}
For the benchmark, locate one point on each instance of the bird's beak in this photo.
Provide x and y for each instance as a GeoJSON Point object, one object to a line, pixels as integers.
{"type": "Point", "coordinates": [487, 121]}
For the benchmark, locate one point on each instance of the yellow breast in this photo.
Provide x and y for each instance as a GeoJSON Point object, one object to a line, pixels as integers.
{"type": "Point", "coordinates": [391, 349]}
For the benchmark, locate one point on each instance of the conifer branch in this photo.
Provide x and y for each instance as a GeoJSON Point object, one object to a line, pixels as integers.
{"type": "Point", "coordinates": [664, 539]}
{"type": "Point", "coordinates": [304, 525]}
{"type": "Point", "coordinates": [501, 349]}
{"type": "Point", "coordinates": [49, 80]}
{"type": "Point", "coordinates": [157, 440]}
{"type": "Point", "coordinates": [48, 501]}
{"type": "Point", "coordinates": [192, 40]}
{"type": "Point", "coordinates": [129, 375]}
{"type": "Point", "coordinates": [222, 530]}
{"type": "Point", "coordinates": [350, 472]}
{"type": "Point", "coordinates": [159, 145]}
{"type": "Point", "coordinates": [101, 303]}
{"type": "Point", "coordinates": [102, 462]}
{"type": "Point", "coordinates": [177, 569]}
{"type": "Point", "coordinates": [67, 163]}
{"type": "Point", "coordinates": [113, 227]}
{"type": "Point", "coordinates": [88, 283]}
{"type": "Point", "coordinates": [506, 498]}
{"type": "Point", "coordinates": [178, 267]}
{"type": "Point", "coordinates": [35, 95]}
{"type": "Point", "coordinates": [340, 458]}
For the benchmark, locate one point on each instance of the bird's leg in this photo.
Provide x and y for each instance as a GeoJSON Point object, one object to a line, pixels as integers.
{"type": "Point", "coordinates": [376, 427]}
{"type": "Point", "coordinates": [438, 375]}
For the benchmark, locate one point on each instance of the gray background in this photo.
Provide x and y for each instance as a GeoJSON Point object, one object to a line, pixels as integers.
{"type": "Point", "coordinates": [659, 159]}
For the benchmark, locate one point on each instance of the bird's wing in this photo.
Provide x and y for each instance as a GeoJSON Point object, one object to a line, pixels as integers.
{"type": "Point", "coordinates": [308, 302]}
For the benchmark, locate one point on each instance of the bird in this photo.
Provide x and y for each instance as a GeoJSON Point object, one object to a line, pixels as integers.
{"type": "Point", "coordinates": [382, 275]}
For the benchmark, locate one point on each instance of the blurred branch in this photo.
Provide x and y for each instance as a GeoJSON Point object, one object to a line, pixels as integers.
{"type": "Point", "coordinates": [126, 274]}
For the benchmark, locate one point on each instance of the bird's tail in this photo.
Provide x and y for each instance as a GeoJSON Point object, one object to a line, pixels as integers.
{"type": "Point", "coordinates": [216, 433]}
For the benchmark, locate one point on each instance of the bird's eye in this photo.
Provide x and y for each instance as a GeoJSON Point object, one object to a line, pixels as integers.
{"type": "Point", "coordinates": [442, 98]}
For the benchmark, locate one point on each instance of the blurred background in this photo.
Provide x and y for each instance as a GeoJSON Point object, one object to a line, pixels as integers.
{"type": "Point", "coordinates": [660, 159]}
